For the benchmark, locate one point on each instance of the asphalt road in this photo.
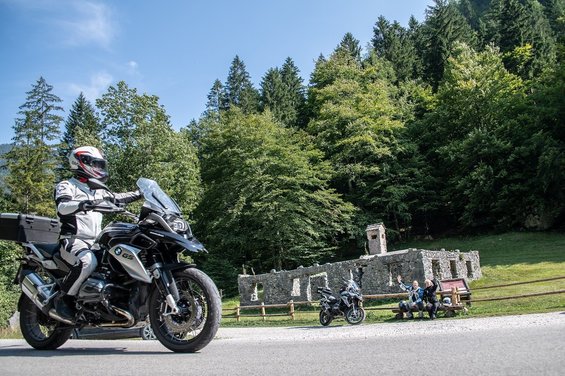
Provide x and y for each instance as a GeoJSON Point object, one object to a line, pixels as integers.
{"type": "Point", "coordinates": [512, 345]}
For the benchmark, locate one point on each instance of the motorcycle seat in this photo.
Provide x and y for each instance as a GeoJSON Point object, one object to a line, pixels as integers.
{"type": "Point", "coordinates": [47, 250]}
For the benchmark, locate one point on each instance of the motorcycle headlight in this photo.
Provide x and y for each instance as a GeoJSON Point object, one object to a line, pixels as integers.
{"type": "Point", "coordinates": [179, 225]}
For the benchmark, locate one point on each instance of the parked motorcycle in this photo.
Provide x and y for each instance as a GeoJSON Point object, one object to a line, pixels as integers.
{"type": "Point", "coordinates": [348, 304]}
{"type": "Point", "coordinates": [139, 276]}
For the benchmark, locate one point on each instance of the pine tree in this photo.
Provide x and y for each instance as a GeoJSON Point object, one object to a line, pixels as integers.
{"type": "Point", "coordinates": [239, 90]}
{"type": "Point", "coordinates": [216, 100]}
{"type": "Point", "coordinates": [81, 129]}
{"type": "Point", "coordinates": [416, 35]}
{"type": "Point", "coordinates": [555, 13]}
{"type": "Point", "coordinates": [523, 33]}
{"type": "Point", "coordinates": [295, 92]}
{"type": "Point", "coordinates": [444, 27]}
{"type": "Point", "coordinates": [282, 92]}
{"type": "Point", "coordinates": [273, 93]}
{"type": "Point", "coordinates": [349, 46]}
{"type": "Point", "coordinates": [31, 162]}
{"type": "Point", "coordinates": [394, 43]}
{"type": "Point", "coordinates": [473, 10]}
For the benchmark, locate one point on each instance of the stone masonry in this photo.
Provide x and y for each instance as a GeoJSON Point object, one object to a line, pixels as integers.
{"type": "Point", "coordinates": [375, 273]}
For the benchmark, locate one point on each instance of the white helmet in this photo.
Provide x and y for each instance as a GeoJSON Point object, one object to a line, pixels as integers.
{"type": "Point", "coordinates": [88, 162]}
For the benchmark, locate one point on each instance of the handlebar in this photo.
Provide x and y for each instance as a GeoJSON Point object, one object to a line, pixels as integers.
{"type": "Point", "coordinates": [105, 207]}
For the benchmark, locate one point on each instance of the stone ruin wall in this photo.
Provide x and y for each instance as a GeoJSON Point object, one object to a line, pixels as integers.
{"type": "Point", "coordinates": [376, 274]}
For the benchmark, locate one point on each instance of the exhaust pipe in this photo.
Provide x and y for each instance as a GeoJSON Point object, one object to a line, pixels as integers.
{"type": "Point", "coordinates": [37, 290]}
{"type": "Point", "coordinates": [40, 293]}
{"type": "Point", "coordinates": [130, 319]}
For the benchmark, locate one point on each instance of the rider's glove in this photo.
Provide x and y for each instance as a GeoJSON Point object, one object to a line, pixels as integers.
{"type": "Point", "coordinates": [85, 205]}
{"type": "Point", "coordinates": [88, 204]}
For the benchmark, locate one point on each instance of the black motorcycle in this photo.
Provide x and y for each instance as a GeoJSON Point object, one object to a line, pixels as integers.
{"type": "Point", "coordinates": [348, 304]}
{"type": "Point", "coordinates": [139, 276]}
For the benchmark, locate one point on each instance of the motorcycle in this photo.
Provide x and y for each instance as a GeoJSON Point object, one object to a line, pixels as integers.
{"type": "Point", "coordinates": [139, 276]}
{"type": "Point", "coordinates": [348, 304]}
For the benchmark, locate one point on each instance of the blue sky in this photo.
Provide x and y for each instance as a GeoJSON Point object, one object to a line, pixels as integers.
{"type": "Point", "coordinates": [173, 49]}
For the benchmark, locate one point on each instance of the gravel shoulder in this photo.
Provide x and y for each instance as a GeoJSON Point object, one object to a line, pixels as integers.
{"type": "Point", "coordinates": [405, 327]}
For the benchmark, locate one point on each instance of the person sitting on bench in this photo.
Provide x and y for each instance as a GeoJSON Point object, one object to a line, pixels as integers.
{"type": "Point", "coordinates": [415, 295]}
{"type": "Point", "coordinates": [430, 297]}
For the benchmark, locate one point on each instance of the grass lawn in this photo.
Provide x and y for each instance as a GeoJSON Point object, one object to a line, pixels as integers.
{"type": "Point", "coordinates": [505, 258]}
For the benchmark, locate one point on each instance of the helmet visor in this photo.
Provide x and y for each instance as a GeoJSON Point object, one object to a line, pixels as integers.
{"type": "Point", "coordinates": [93, 167]}
{"type": "Point", "coordinates": [98, 164]}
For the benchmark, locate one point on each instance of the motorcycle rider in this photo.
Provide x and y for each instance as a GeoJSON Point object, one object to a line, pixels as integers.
{"type": "Point", "coordinates": [75, 199]}
{"type": "Point", "coordinates": [430, 298]}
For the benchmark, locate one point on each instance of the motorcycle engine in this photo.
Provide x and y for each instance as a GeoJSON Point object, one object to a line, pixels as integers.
{"type": "Point", "coordinates": [91, 290]}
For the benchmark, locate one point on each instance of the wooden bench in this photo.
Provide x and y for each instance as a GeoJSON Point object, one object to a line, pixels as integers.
{"type": "Point", "coordinates": [449, 310]}
{"type": "Point", "coordinates": [456, 289]}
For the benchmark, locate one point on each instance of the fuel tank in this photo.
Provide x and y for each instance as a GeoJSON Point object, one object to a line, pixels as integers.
{"type": "Point", "coordinates": [128, 257]}
{"type": "Point", "coordinates": [117, 232]}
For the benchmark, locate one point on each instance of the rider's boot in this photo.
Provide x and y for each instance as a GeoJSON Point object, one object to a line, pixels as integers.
{"type": "Point", "coordinates": [64, 306]}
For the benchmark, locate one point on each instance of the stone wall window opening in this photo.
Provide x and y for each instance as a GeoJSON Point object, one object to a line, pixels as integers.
{"type": "Point", "coordinates": [393, 271]}
{"type": "Point", "coordinates": [258, 294]}
{"type": "Point", "coordinates": [295, 287]}
{"type": "Point", "coordinates": [469, 268]}
{"type": "Point", "coordinates": [436, 269]}
{"type": "Point", "coordinates": [453, 268]}
{"type": "Point", "coordinates": [315, 281]}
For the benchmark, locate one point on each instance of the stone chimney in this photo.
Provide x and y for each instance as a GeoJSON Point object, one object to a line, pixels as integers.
{"type": "Point", "coordinates": [377, 239]}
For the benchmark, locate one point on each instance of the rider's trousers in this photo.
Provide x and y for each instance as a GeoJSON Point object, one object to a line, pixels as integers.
{"type": "Point", "coordinates": [77, 253]}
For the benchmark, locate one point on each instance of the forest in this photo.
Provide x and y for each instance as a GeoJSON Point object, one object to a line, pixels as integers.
{"type": "Point", "coordinates": [452, 125]}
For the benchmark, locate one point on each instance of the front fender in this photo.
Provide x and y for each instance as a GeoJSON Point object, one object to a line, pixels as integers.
{"type": "Point", "coordinates": [177, 266]}
{"type": "Point", "coordinates": [192, 244]}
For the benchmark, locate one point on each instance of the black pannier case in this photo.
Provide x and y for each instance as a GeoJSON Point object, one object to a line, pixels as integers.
{"type": "Point", "coordinates": [27, 228]}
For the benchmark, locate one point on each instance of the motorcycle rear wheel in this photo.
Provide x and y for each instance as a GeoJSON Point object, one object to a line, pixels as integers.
{"type": "Point", "coordinates": [39, 330]}
{"type": "Point", "coordinates": [325, 318]}
{"type": "Point", "coordinates": [355, 315]}
{"type": "Point", "coordinates": [200, 313]}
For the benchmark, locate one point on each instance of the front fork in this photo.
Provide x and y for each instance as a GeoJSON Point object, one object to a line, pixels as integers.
{"type": "Point", "coordinates": [168, 288]}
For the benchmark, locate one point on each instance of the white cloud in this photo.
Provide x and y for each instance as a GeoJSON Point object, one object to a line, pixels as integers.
{"type": "Point", "coordinates": [76, 22]}
{"type": "Point", "coordinates": [99, 82]}
{"type": "Point", "coordinates": [132, 67]}
{"type": "Point", "coordinates": [92, 23]}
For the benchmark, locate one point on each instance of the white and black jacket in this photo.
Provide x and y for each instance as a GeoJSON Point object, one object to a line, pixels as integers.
{"type": "Point", "coordinates": [85, 225]}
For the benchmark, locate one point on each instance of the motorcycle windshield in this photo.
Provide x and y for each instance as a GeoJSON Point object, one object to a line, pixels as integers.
{"type": "Point", "coordinates": [155, 196]}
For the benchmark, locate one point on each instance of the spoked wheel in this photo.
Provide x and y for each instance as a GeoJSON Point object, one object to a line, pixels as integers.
{"type": "Point", "coordinates": [325, 318]}
{"type": "Point", "coordinates": [354, 315]}
{"type": "Point", "coordinates": [198, 319]}
{"type": "Point", "coordinates": [147, 333]}
{"type": "Point", "coordinates": [39, 330]}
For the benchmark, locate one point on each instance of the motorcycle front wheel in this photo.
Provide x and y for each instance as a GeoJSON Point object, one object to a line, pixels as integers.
{"type": "Point", "coordinates": [354, 315]}
{"type": "Point", "coordinates": [198, 319]}
{"type": "Point", "coordinates": [39, 330]}
{"type": "Point", "coordinates": [325, 318]}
